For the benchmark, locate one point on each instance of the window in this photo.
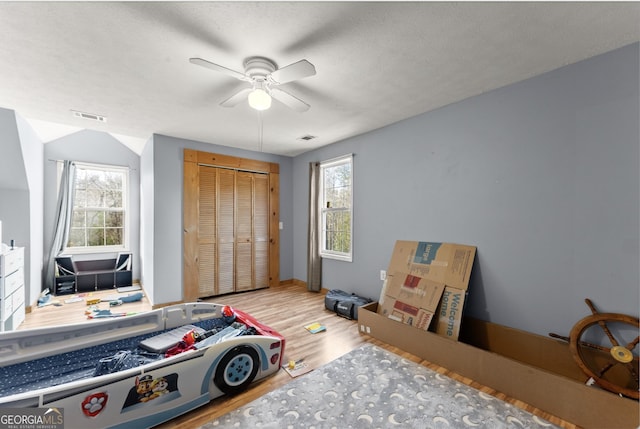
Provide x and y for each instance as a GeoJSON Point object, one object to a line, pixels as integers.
{"type": "Point", "coordinates": [336, 193]}
{"type": "Point", "coordinates": [99, 219]}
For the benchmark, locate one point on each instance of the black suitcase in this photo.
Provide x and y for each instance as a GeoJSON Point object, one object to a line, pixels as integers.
{"type": "Point", "coordinates": [344, 304]}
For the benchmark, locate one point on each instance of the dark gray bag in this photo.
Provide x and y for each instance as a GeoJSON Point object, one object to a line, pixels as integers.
{"type": "Point", "coordinates": [344, 304]}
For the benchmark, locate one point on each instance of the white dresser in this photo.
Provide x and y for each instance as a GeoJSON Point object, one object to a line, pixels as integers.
{"type": "Point", "coordinates": [12, 294]}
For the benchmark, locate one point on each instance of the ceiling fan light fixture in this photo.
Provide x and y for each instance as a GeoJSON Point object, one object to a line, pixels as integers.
{"type": "Point", "coordinates": [259, 99]}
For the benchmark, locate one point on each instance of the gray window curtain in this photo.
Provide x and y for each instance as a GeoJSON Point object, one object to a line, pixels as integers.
{"type": "Point", "coordinates": [314, 261]}
{"type": "Point", "coordinates": [64, 210]}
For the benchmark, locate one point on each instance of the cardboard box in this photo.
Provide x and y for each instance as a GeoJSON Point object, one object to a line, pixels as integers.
{"type": "Point", "coordinates": [446, 263]}
{"type": "Point", "coordinates": [449, 312]}
{"type": "Point", "coordinates": [537, 370]}
{"type": "Point", "coordinates": [410, 299]}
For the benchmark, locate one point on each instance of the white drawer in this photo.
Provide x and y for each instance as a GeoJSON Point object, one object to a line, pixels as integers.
{"type": "Point", "coordinates": [13, 281]}
{"type": "Point", "coordinates": [7, 308]}
{"type": "Point", "coordinates": [18, 298]}
{"type": "Point", "coordinates": [11, 261]}
{"type": "Point", "coordinates": [18, 317]}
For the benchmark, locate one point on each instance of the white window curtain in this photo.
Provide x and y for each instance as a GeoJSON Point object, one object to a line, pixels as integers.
{"type": "Point", "coordinates": [64, 210]}
{"type": "Point", "coordinates": [314, 261]}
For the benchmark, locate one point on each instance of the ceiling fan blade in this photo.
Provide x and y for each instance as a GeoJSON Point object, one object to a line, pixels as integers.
{"type": "Point", "coordinates": [219, 68]}
{"type": "Point", "coordinates": [236, 98]}
{"type": "Point", "coordinates": [289, 100]}
{"type": "Point", "coordinates": [295, 71]}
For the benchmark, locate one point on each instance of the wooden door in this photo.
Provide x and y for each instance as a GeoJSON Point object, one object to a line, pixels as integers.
{"type": "Point", "coordinates": [207, 241]}
{"type": "Point", "coordinates": [233, 231]}
{"type": "Point", "coordinates": [216, 223]}
{"type": "Point", "coordinates": [225, 223]}
{"type": "Point", "coordinates": [252, 237]}
{"type": "Point", "coordinates": [244, 228]}
{"type": "Point", "coordinates": [261, 230]}
{"type": "Point", "coordinates": [230, 224]}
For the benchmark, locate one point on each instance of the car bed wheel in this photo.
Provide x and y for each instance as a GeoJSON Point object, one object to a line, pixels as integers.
{"type": "Point", "coordinates": [236, 370]}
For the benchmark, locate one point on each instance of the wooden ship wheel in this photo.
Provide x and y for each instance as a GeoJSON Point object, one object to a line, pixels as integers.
{"type": "Point", "coordinates": [613, 368]}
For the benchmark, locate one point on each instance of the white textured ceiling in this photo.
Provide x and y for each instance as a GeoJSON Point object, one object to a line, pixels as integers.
{"type": "Point", "coordinates": [377, 63]}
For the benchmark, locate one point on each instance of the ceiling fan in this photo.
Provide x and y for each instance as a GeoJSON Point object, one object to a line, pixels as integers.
{"type": "Point", "coordinates": [264, 77]}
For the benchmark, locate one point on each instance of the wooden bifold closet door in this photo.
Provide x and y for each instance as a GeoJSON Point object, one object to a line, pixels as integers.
{"type": "Point", "coordinates": [229, 228]}
{"type": "Point", "coordinates": [252, 231]}
{"type": "Point", "coordinates": [233, 227]}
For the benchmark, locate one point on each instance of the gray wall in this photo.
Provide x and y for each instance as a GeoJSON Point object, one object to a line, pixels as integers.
{"type": "Point", "coordinates": [21, 195]}
{"type": "Point", "coordinates": [147, 224]}
{"type": "Point", "coordinates": [14, 187]}
{"type": "Point", "coordinates": [542, 176]}
{"type": "Point", "coordinates": [33, 153]}
{"type": "Point", "coordinates": [100, 148]}
{"type": "Point", "coordinates": [165, 192]}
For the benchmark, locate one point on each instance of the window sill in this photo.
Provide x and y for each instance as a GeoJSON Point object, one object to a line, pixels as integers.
{"type": "Point", "coordinates": [343, 258]}
{"type": "Point", "coordinates": [90, 251]}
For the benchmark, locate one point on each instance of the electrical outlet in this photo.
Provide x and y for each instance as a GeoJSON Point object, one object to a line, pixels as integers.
{"type": "Point", "coordinates": [383, 275]}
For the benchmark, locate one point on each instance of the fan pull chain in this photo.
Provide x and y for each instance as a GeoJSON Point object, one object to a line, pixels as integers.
{"type": "Point", "coordinates": [260, 129]}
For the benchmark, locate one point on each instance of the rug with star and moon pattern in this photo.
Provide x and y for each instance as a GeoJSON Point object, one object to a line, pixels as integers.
{"type": "Point", "coordinates": [370, 387]}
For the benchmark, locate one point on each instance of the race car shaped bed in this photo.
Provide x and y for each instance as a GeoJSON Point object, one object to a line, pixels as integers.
{"type": "Point", "coordinates": [136, 371]}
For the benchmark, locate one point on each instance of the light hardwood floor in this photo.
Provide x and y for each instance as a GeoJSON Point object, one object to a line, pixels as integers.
{"type": "Point", "coordinates": [287, 309]}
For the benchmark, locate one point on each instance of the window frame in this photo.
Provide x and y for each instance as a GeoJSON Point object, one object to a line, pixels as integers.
{"type": "Point", "coordinates": [125, 210]}
{"type": "Point", "coordinates": [323, 210]}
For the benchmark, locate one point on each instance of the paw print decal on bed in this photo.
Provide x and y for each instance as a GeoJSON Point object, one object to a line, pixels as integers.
{"type": "Point", "coordinates": [93, 404]}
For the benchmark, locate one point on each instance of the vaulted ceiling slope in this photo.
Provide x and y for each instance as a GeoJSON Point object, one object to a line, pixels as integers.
{"type": "Point", "coordinates": [376, 62]}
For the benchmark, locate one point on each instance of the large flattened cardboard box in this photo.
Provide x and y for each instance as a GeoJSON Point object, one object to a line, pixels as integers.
{"type": "Point", "coordinates": [448, 264]}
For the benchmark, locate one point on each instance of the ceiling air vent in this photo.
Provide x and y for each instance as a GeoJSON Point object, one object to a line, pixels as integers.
{"type": "Point", "coordinates": [89, 116]}
{"type": "Point", "coordinates": [307, 137]}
